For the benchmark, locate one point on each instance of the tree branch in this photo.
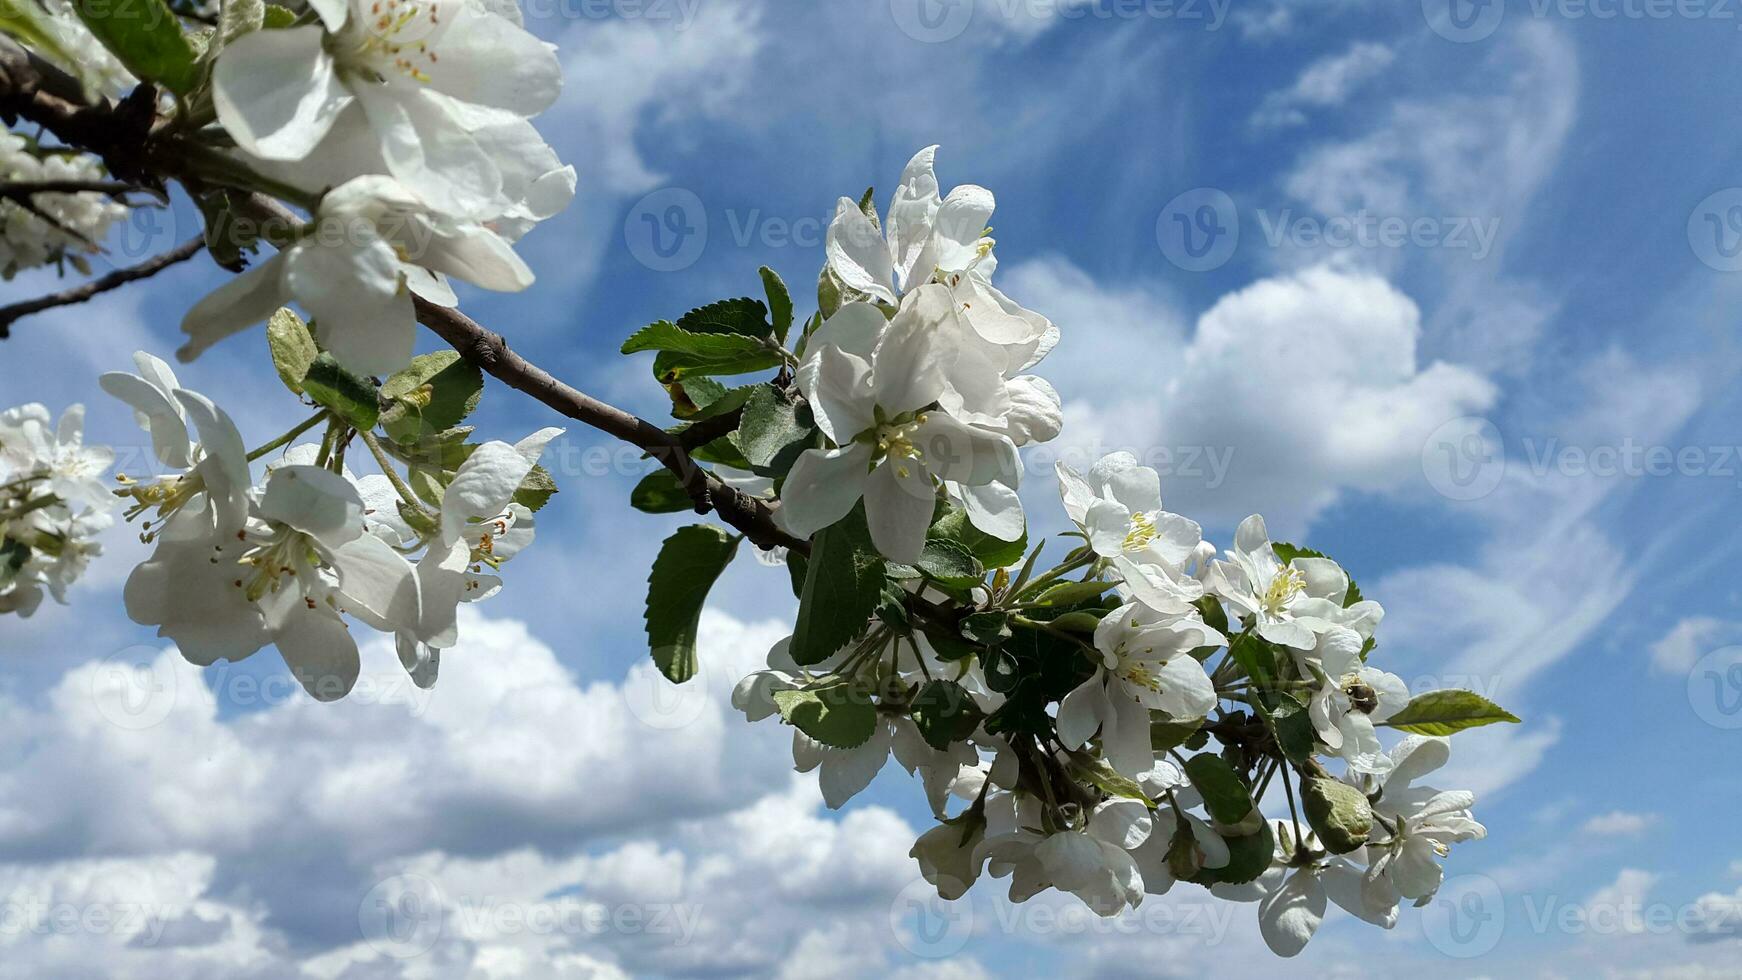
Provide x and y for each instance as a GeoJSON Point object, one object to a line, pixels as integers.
{"type": "Point", "coordinates": [123, 135]}
{"type": "Point", "coordinates": [96, 287]}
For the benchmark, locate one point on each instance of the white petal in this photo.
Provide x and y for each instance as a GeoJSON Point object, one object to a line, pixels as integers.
{"type": "Point", "coordinates": [858, 254]}
{"type": "Point", "coordinates": [316, 501]}
{"type": "Point", "coordinates": [225, 466]}
{"type": "Point", "coordinates": [995, 509]}
{"type": "Point", "coordinates": [845, 772]}
{"type": "Point", "coordinates": [277, 93]}
{"type": "Point", "coordinates": [157, 413]}
{"type": "Point", "coordinates": [378, 585]}
{"type": "Point", "coordinates": [1081, 712]}
{"type": "Point", "coordinates": [822, 488]}
{"type": "Point", "coordinates": [235, 306]}
{"type": "Point", "coordinates": [1289, 916]}
{"type": "Point", "coordinates": [316, 646]}
{"type": "Point", "coordinates": [899, 502]}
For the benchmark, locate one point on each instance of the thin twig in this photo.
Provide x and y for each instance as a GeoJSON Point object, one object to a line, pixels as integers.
{"type": "Point", "coordinates": [102, 284]}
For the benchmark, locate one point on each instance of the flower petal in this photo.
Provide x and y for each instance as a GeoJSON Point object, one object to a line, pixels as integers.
{"type": "Point", "coordinates": [277, 92]}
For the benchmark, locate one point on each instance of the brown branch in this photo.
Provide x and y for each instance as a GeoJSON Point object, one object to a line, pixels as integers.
{"type": "Point", "coordinates": [21, 189]}
{"type": "Point", "coordinates": [102, 284]}
{"type": "Point", "coordinates": [122, 135]}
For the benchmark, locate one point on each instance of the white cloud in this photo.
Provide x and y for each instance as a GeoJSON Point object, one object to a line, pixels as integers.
{"type": "Point", "coordinates": [1687, 641]}
{"type": "Point", "coordinates": [1617, 823]}
{"type": "Point", "coordinates": [1325, 83]}
{"type": "Point", "coordinates": [1618, 907]}
{"type": "Point", "coordinates": [541, 810]}
{"type": "Point", "coordinates": [1307, 385]}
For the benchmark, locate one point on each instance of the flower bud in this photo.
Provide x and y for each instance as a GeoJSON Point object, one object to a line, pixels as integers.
{"type": "Point", "coordinates": [1338, 812]}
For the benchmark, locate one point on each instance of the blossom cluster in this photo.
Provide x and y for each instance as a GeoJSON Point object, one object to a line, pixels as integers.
{"type": "Point", "coordinates": [1051, 715]}
{"type": "Point", "coordinates": [241, 564]}
{"type": "Point", "coordinates": [55, 226]}
{"type": "Point", "coordinates": [53, 504]}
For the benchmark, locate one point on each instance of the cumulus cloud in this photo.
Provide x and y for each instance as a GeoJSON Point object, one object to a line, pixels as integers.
{"type": "Point", "coordinates": [1617, 823]}
{"type": "Point", "coordinates": [1304, 386]}
{"type": "Point", "coordinates": [513, 822]}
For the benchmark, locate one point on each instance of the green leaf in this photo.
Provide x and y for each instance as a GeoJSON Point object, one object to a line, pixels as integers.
{"type": "Point", "coordinates": [744, 316]}
{"type": "Point", "coordinates": [536, 490]}
{"type": "Point", "coordinates": [278, 17]}
{"type": "Point", "coordinates": [28, 22]}
{"type": "Point", "coordinates": [1448, 712]}
{"type": "Point", "coordinates": [1258, 657]}
{"type": "Point", "coordinates": [293, 348]}
{"type": "Point", "coordinates": [836, 713]}
{"type": "Point", "coordinates": [1078, 621]}
{"type": "Point", "coordinates": [683, 353]}
{"type": "Point", "coordinates": [779, 303]}
{"type": "Point", "coordinates": [944, 712]}
{"type": "Point", "coordinates": [236, 18]}
{"type": "Point", "coordinates": [772, 425]}
{"type": "Point", "coordinates": [146, 37]}
{"type": "Point", "coordinates": [829, 290]}
{"type": "Point", "coordinates": [1165, 735]}
{"type": "Point", "coordinates": [1106, 779]}
{"type": "Point", "coordinates": [988, 627]}
{"type": "Point", "coordinates": [951, 564]}
{"type": "Point", "coordinates": [1339, 813]}
{"type": "Point", "coordinates": [1225, 796]}
{"type": "Point", "coordinates": [431, 395]}
{"type": "Point", "coordinates": [843, 585]}
{"type": "Point", "coordinates": [868, 204]}
{"type": "Point", "coordinates": [226, 239]}
{"type": "Point", "coordinates": [344, 394]}
{"type": "Point", "coordinates": [992, 552]}
{"type": "Point", "coordinates": [660, 492]}
{"type": "Point", "coordinates": [1293, 728]}
{"type": "Point", "coordinates": [687, 565]}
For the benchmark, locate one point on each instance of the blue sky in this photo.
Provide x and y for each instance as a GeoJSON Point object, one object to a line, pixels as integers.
{"type": "Point", "coordinates": [1436, 413]}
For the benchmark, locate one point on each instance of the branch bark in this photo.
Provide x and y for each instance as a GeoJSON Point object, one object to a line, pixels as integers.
{"type": "Point", "coordinates": [102, 284]}
{"type": "Point", "coordinates": [121, 133]}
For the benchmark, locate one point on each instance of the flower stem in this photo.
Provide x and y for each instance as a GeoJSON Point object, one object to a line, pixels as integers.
{"type": "Point", "coordinates": [387, 470]}
{"type": "Point", "coordinates": [287, 438]}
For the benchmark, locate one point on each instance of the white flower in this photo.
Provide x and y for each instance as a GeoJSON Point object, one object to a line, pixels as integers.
{"type": "Point", "coordinates": [284, 576]}
{"type": "Point", "coordinates": [871, 384]}
{"type": "Point", "coordinates": [1119, 508]}
{"type": "Point", "coordinates": [480, 525]}
{"type": "Point", "coordinates": [26, 240]}
{"type": "Point", "coordinates": [1278, 596]}
{"type": "Point", "coordinates": [1414, 826]}
{"type": "Point", "coordinates": [1093, 862]}
{"type": "Point", "coordinates": [931, 239]}
{"type": "Point", "coordinates": [941, 240]}
{"type": "Point", "coordinates": [215, 479]}
{"type": "Point", "coordinates": [1146, 665]}
{"type": "Point", "coordinates": [57, 459]}
{"type": "Point", "coordinates": [1293, 900]}
{"type": "Point", "coordinates": [407, 70]}
{"type": "Point", "coordinates": [1353, 698]}
{"type": "Point", "coordinates": [373, 244]}
{"type": "Point", "coordinates": [946, 855]}
{"type": "Point", "coordinates": [844, 773]}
